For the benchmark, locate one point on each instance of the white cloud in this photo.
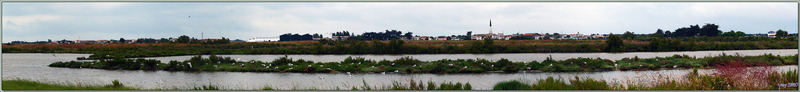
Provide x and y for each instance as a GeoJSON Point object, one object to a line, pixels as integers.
{"type": "Point", "coordinates": [19, 23]}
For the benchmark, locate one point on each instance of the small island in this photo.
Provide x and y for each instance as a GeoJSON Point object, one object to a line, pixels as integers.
{"type": "Point", "coordinates": [411, 65]}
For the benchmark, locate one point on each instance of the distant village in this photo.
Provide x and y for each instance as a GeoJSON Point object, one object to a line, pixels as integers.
{"type": "Point", "coordinates": [388, 35]}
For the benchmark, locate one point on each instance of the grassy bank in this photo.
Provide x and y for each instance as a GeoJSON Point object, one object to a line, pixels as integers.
{"type": "Point", "coordinates": [692, 81]}
{"type": "Point", "coordinates": [411, 65]}
{"type": "Point", "coordinates": [33, 85]}
{"type": "Point", "coordinates": [108, 51]}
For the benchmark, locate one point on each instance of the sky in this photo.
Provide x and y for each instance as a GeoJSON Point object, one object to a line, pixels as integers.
{"type": "Point", "coordinates": [39, 21]}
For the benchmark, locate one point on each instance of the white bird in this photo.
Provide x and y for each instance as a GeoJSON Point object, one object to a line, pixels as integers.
{"type": "Point", "coordinates": [383, 72]}
{"type": "Point", "coordinates": [392, 63]}
{"type": "Point", "coordinates": [290, 64]}
{"type": "Point", "coordinates": [492, 65]}
{"type": "Point", "coordinates": [528, 68]}
{"type": "Point", "coordinates": [308, 66]}
{"type": "Point", "coordinates": [551, 64]}
{"type": "Point", "coordinates": [414, 65]}
{"type": "Point", "coordinates": [396, 71]}
{"type": "Point", "coordinates": [450, 64]}
{"type": "Point", "coordinates": [215, 65]}
{"type": "Point", "coordinates": [676, 66]}
{"type": "Point", "coordinates": [321, 77]}
{"type": "Point", "coordinates": [465, 66]}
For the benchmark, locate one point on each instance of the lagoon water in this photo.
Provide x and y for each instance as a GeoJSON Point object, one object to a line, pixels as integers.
{"type": "Point", "coordinates": [33, 66]}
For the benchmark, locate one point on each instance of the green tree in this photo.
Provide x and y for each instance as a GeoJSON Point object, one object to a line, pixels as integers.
{"type": "Point", "coordinates": [710, 30]}
{"type": "Point", "coordinates": [781, 33]}
{"type": "Point", "coordinates": [628, 35]}
{"type": "Point", "coordinates": [408, 35]}
{"type": "Point", "coordinates": [122, 40]}
{"type": "Point", "coordinates": [729, 33]}
{"type": "Point", "coordinates": [469, 35]}
{"type": "Point", "coordinates": [614, 43]}
{"type": "Point", "coordinates": [184, 39]}
{"type": "Point", "coordinates": [659, 33]}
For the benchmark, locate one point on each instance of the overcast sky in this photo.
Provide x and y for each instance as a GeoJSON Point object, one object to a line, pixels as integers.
{"type": "Point", "coordinates": [32, 21]}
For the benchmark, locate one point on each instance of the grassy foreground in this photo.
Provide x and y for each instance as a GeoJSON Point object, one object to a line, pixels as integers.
{"type": "Point", "coordinates": [693, 81]}
{"type": "Point", "coordinates": [33, 85]}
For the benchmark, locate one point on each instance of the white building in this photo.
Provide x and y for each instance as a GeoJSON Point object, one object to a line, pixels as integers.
{"type": "Point", "coordinates": [264, 39]}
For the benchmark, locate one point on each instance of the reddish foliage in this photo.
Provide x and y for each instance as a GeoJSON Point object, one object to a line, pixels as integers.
{"type": "Point", "coordinates": [741, 75]}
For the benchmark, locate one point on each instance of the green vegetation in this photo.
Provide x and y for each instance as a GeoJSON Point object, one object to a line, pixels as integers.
{"type": "Point", "coordinates": [684, 61]}
{"type": "Point", "coordinates": [692, 81]}
{"type": "Point", "coordinates": [33, 85]}
{"type": "Point", "coordinates": [614, 44]}
{"type": "Point", "coordinates": [551, 83]}
{"type": "Point", "coordinates": [411, 65]}
{"type": "Point", "coordinates": [511, 85]}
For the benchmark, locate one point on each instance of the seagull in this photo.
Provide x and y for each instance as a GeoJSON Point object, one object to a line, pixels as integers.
{"type": "Point", "coordinates": [321, 77]}
{"type": "Point", "coordinates": [396, 71]}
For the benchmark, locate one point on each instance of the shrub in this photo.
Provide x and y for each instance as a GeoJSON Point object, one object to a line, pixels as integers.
{"type": "Point", "coordinates": [511, 85]}
{"type": "Point", "coordinates": [551, 83]}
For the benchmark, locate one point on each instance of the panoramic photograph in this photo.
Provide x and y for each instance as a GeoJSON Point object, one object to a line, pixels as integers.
{"type": "Point", "coordinates": [420, 46]}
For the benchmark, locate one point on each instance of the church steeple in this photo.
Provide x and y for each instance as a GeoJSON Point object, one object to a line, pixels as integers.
{"type": "Point", "coordinates": [490, 29]}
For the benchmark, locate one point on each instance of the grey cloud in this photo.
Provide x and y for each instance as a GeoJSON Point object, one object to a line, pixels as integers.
{"type": "Point", "coordinates": [246, 20]}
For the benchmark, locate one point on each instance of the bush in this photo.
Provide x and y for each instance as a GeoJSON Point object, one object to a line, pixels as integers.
{"type": "Point", "coordinates": [511, 85]}
{"type": "Point", "coordinates": [589, 84]}
{"type": "Point", "coordinates": [551, 83]}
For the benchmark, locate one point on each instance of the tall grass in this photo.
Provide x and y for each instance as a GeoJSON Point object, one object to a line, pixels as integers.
{"type": "Point", "coordinates": [34, 85]}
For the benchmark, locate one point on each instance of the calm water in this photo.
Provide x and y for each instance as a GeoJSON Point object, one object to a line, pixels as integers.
{"type": "Point", "coordinates": [33, 66]}
{"type": "Point", "coordinates": [516, 57]}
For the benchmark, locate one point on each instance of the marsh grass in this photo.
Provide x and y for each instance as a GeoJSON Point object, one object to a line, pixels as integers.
{"type": "Point", "coordinates": [34, 85]}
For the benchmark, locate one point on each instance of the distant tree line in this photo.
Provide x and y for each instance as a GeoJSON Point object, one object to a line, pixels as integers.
{"type": "Point", "coordinates": [384, 36]}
